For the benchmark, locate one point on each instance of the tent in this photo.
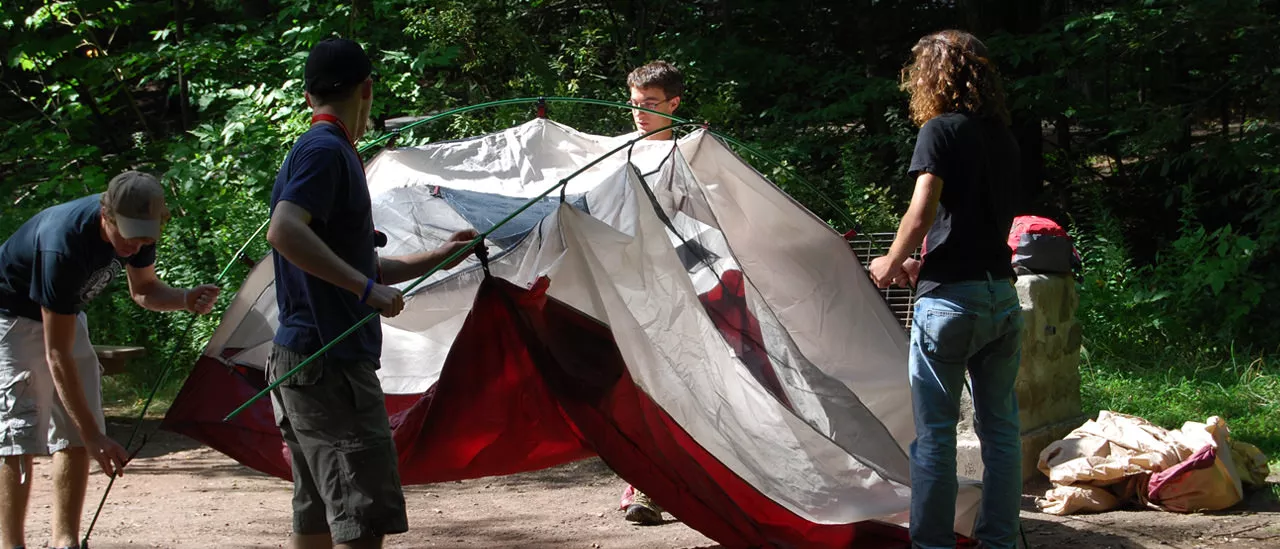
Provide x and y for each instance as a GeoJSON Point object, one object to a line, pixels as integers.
{"type": "Point", "coordinates": [670, 311]}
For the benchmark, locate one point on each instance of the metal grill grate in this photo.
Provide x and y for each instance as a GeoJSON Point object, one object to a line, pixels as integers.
{"type": "Point", "coordinates": [901, 300]}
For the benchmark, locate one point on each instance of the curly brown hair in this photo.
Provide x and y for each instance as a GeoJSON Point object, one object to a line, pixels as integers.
{"type": "Point", "coordinates": [950, 71]}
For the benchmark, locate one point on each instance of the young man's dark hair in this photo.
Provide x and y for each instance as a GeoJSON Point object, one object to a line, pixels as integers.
{"type": "Point", "coordinates": [657, 87]}
{"type": "Point", "coordinates": [967, 315]}
{"type": "Point", "coordinates": [658, 74]}
{"type": "Point", "coordinates": [328, 277]}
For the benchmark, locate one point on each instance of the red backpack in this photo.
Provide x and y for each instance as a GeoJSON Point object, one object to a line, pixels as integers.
{"type": "Point", "coordinates": [1040, 245]}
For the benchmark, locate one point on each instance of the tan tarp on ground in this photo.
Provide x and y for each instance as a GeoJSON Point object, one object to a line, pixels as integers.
{"type": "Point", "coordinates": [1109, 462]}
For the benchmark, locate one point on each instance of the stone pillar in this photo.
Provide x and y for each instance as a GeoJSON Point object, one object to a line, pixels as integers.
{"type": "Point", "coordinates": [1048, 383]}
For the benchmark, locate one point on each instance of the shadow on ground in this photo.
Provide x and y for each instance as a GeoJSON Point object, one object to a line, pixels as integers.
{"type": "Point", "coordinates": [1252, 523]}
{"type": "Point", "coordinates": [1261, 500]}
{"type": "Point", "coordinates": [159, 448]}
{"type": "Point", "coordinates": [515, 533]}
{"type": "Point", "coordinates": [1041, 533]}
{"type": "Point", "coordinates": [158, 442]}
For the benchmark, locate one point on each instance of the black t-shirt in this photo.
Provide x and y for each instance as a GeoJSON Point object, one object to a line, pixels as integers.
{"type": "Point", "coordinates": [324, 176]}
{"type": "Point", "coordinates": [58, 260]}
{"type": "Point", "coordinates": [977, 159]}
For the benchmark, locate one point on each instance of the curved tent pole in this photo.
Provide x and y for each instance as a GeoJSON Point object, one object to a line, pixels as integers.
{"type": "Point", "coordinates": [239, 255]}
{"type": "Point", "coordinates": [541, 102]}
{"type": "Point", "coordinates": [390, 137]}
{"type": "Point", "coordinates": [677, 122]}
{"type": "Point", "coordinates": [478, 241]}
{"type": "Point", "coordinates": [164, 375]}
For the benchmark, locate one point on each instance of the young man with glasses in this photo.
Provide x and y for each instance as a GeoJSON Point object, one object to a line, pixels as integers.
{"type": "Point", "coordinates": [50, 378]}
{"type": "Point", "coordinates": [656, 86]}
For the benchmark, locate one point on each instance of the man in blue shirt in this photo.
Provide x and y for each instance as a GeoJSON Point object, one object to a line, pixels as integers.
{"type": "Point", "coordinates": [328, 277]}
{"type": "Point", "coordinates": [50, 384]}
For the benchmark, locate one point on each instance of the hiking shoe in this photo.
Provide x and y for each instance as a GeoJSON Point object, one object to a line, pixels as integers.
{"type": "Point", "coordinates": [643, 515]}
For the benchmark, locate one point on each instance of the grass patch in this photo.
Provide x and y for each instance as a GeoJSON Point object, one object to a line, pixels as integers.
{"type": "Point", "coordinates": [1170, 385]}
{"type": "Point", "coordinates": [124, 396]}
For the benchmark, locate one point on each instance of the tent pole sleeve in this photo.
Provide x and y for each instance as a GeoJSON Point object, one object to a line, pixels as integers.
{"type": "Point", "coordinates": [504, 102]}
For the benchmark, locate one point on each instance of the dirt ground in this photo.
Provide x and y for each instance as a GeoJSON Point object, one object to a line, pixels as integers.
{"type": "Point", "coordinates": [180, 494]}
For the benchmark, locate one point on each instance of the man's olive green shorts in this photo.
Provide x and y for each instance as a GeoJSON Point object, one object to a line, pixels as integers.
{"type": "Point", "coordinates": [345, 478]}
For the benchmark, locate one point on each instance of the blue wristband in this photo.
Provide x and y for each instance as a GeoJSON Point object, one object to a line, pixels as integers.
{"type": "Point", "coordinates": [368, 286]}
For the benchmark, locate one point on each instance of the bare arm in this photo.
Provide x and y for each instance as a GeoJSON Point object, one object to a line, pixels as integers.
{"type": "Point", "coordinates": [59, 340]}
{"type": "Point", "coordinates": [408, 267]}
{"type": "Point", "coordinates": [911, 232]}
{"type": "Point", "coordinates": [151, 293]}
{"type": "Point", "coordinates": [919, 217]}
{"type": "Point", "coordinates": [291, 235]}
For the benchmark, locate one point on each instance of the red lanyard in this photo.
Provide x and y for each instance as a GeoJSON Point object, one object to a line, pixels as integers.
{"type": "Point", "coordinates": [337, 122]}
{"type": "Point", "coordinates": [324, 117]}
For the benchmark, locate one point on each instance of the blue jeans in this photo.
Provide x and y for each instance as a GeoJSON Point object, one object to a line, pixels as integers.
{"type": "Point", "coordinates": [974, 326]}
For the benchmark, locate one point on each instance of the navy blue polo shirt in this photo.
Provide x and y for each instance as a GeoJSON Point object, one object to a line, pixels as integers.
{"type": "Point", "coordinates": [324, 176]}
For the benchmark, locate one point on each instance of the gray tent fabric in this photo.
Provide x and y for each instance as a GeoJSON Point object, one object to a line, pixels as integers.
{"type": "Point", "coordinates": [740, 314]}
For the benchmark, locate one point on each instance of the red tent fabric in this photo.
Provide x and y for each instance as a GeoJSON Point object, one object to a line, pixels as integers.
{"type": "Point", "coordinates": [531, 383]}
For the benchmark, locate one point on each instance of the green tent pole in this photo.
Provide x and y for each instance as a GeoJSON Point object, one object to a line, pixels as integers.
{"type": "Point", "coordinates": [479, 241]}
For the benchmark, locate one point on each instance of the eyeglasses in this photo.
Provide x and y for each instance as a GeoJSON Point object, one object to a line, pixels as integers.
{"type": "Point", "coordinates": [650, 104]}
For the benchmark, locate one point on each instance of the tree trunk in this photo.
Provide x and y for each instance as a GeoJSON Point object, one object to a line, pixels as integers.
{"type": "Point", "coordinates": [1020, 18]}
{"type": "Point", "coordinates": [123, 83]}
{"type": "Point", "coordinates": [87, 98]}
{"type": "Point", "coordinates": [866, 45]}
{"type": "Point", "coordinates": [183, 93]}
{"type": "Point", "coordinates": [133, 103]}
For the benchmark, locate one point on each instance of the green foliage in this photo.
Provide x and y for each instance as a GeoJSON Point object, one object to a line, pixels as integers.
{"type": "Point", "coordinates": [1155, 121]}
{"type": "Point", "coordinates": [1172, 385]}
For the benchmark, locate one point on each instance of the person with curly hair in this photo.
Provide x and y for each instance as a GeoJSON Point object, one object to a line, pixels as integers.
{"type": "Point", "coordinates": [967, 313]}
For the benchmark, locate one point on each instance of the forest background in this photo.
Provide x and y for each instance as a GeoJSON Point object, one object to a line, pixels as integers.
{"type": "Point", "coordinates": [1148, 127]}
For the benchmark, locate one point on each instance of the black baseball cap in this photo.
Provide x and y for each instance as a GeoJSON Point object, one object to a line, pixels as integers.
{"type": "Point", "coordinates": [336, 63]}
